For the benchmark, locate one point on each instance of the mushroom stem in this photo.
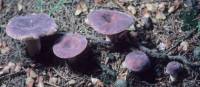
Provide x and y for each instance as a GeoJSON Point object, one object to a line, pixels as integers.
{"type": "Point", "coordinates": [172, 78]}
{"type": "Point", "coordinates": [33, 46]}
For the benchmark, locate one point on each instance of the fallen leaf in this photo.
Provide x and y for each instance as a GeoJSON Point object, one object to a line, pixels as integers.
{"type": "Point", "coordinates": [4, 50]}
{"type": "Point", "coordinates": [18, 67]}
{"type": "Point", "coordinates": [160, 16]}
{"type": "Point", "coordinates": [12, 66]}
{"type": "Point", "coordinates": [72, 82]}
{"type": "Point", "coordinates": [151, 7]}
{"type": "Point", "coordinates": [99, 1]}
{"type": "Point", "coordinates": [29, 82]}
{"type": "Point", "coordinates": [162, 46]}
{"type": "Point", "coordinates": [132, 9]}
{"type": "Point", "coordinates": [9, 67]}
{"type": "Point", "coordinates": [53, 80]}
{"type": "Point", "coordinates": [96, 82]}
{"type": "Point", "coordinates": [162, 6]}
{"type": "Point", "coordinates": [177, 4]}
{"type": "Point", "coordinates": [81, 7]}
{"type": "Point", "coordinates": [40, 82]}
{"type": "Point", "coordinates": [33, 74]}
{"type": "Point", "coordinates": [171, 9]}
{"type": "Point", "coordinates": [183, 46]}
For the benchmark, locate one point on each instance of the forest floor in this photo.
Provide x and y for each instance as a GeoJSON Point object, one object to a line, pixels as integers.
{"type": "Point", "coordinates": [174, 36]}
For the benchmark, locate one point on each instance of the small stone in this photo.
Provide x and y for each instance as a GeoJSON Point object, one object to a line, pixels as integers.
{"type": "Point", "coordinates": [120, 83]}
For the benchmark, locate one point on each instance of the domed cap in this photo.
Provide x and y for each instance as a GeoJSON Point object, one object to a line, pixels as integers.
{"type": "Point", "coordinates": [31, 26]}
{"type": "Point", "coordinates": [109, 22]}
{"type": "Point", "coordinates": [70, 46]}
{"type": "Point", "coordinates": [173, 68]}
{"type": "Point", "coordinates": [137, 61]}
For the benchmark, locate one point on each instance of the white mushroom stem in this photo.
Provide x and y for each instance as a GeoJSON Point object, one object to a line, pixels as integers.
{"type": "Point", "coordinates": [172, 78]}
{"type": "Point", "coordinates": [33, 46]}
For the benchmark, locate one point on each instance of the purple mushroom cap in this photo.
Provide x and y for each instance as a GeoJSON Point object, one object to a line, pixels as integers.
{"type": "Point", "coordinates": [70, 46]}
{"type": "Point", "coordinates": [109, 22]}
{"type": "Point", "coordinates": [173, 68]}
{"type": "Point", "coordinates": [137, 61]}
{"type": "Point", "coordinates": [31, 26]}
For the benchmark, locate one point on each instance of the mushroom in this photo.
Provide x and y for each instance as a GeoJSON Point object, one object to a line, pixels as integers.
{"type": "Point", "coordinates": [137, 61]}
{"type": "Point", "coordinates": [110, 23]}
{"type": "Point", "coordinates": [70, 46]}
{"type": "Point", "coordinates": [173, 69]}
{"type": "Point", "coordinates": [30, 28]}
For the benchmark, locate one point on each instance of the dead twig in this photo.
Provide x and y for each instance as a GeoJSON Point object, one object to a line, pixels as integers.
{"type": "Point", "coordinates": [167, 56]}
{"type": "Point", "coordinates": [178, 43]}
{"type": "Point", "coordinates": [47, 83]}
{"type": "Point", "coordinates": [6, 76]}
{"type": "Point", "coordinates": [59, 74]}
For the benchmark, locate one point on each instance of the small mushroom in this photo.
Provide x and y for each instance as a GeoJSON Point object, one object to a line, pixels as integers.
{"type": "Point", "coordinates": [110, 23]}
{"type": "Point", "coordinates": [137, 61]}
{"type": "Point", "coordinates": [70, 46]}
{"type": "Point", "coordinates": [173, 69]}
{"type": "Point", "coordinates": [30, 28]}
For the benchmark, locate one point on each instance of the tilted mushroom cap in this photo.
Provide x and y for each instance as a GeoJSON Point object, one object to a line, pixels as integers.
{"type": "Point", "coordinates": [109, 21]}
{"type": "Point", "coordinates": [137, 61]}
{"type": "Point", "coordinates": [173, 68]}
{"type": "Point", "coordinates": [30, 26]}
{"type": "Point", "coordinates": [70, 46]}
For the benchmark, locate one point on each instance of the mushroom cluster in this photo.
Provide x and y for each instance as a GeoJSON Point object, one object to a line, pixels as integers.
{"type": "Point", "coordinates": [113, 24]}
